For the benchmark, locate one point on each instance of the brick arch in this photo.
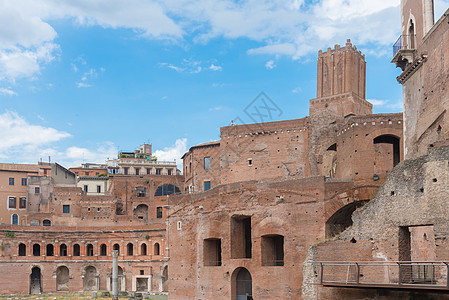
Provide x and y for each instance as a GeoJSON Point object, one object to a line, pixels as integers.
{"type": "Point", "coordinates": [346, 199]}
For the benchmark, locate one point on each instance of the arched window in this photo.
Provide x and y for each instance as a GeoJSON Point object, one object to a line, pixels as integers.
{"type": "Point", "coordinates": [103, 250]}
{"type": "Point", "coordinates": [63, 250]}
{"type": "Point", "coordinates": [143, 249]}
{"type": "Point", "coordinates": [22, 249]}
{"type": "Point", "coordinates": [156, 249]}
{"type": "Point", "coordinates": [90, 250]}
{"type": "Point", "coordinates": [15, 219]}
{"type": "Point", "coordinates": [76, 250]}
{"type": "Point", "coordinates": [167, 189]}
{"type": "Point", "coordinates": [130, 247]}
{"type": "Point", "coordinates": [46, 223]}
{"type": "Point", "coordinates": [36, 250]}
{"type": "Point", "coordinates": [116, 247]}
{"type": "Point", "coordinates": [50, 250]}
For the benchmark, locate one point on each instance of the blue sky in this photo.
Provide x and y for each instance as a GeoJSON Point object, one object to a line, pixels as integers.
{"type": "Point", "coordinates": [81, 80]}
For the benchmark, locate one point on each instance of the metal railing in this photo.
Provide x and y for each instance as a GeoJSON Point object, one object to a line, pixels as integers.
{"type": "Point", "coordinates": [388, 274]}
{"type": "Point", "coordinates": [404, 42]}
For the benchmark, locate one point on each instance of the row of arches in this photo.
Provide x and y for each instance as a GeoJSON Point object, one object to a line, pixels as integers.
{"type": "Point", "coordinates": [76, 250]}
{"type": "Point", "coordinates": [91, 279]}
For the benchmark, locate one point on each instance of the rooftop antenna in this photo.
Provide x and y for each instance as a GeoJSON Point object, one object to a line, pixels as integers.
{"type": "Point", "coordinates": [49, 159]}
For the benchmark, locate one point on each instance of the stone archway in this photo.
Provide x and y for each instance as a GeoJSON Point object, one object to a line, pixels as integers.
{"type": "Point", "coordinates": [62, 278]}
{"type": "Point", "coordinates": [241, 285]}
{"type": "Point", "coordinates": [90, 279]}
{"type": "Point", "coordinates": [35, 281]}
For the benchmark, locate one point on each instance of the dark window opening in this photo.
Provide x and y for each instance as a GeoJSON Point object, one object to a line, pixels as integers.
{"type": "Point", "coordinates": [130, 247]}
{"type": "Point", "coordinates": [241, 237]}
{"type": "Point", "coordinates": [212, 252]}
{"type": "Point", "coordinates": [137, 171]}
{"type": "Point", "coordinates": [90, 250]}
{"type": "Point", "coordinates": [46, 223]}
{"type": "Point", "coordinates": [22, 249]}
{"type": "Point", "coordinates": [103, 250]}
{"type": "Point", "coordinates": [76, 250]}
{"type": "Point", "coordinates": [86, 188]}
{"type": "Point", "coordinates": [142, 272]}
{"type": "Point", "coordinates": [50, 250]}
{"type": "Point", "coordinates": [63, 250]}
{"type": "Point", "coordinates": [66, 209]}
{"type": "Point", "coordinates": [393, 140]}
{"type": "Point", "coordinates": [143, 249]}
{"type": "Point", "coordinates": [11, 181]}
{"type": "Point", "coordinates": [159, 212]}
{"type": "Point", "coordinates": [272, 250]}
{"type": "Point", "coordinates": [98, 188]}
{"type": "Point", "coordinates": [156, 249]}
{"type": "Point", "coordinates": [158, 171]}
{"type": "Point", "coordinates": [36, 250]}
{"type": "Point", "coordinates": [24, 181]}
{"type": "Point", "coordinates": [37, 190]}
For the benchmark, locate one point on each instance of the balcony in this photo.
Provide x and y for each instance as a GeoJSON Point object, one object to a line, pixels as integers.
{"type": "Point", "coordinates": [411, 275]}
{"type": "Point", "coordinates": [403, 50]}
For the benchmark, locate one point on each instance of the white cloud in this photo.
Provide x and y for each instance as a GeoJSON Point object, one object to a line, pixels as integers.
{"type": "Point", "coordinates": [376, 102]}
{"type": "Point", "coordinates": [88, 76]}
{"type": "Point", "coordinates": [215, 68]}
{"type": "Point", "coordinates": [8, 92]}
{"type": "Point", "coordinates": [18, 135]}
{"type": "Point", "coordinates": [284, 49]}
{"type": "Point", "coordinates": [216, 108]}
{"type": "Point", "coordinates": [174, 152]}
{"type": "Point", "coordinates": [270, 65]}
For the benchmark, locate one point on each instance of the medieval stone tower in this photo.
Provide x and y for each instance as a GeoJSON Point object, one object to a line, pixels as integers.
{"type": "Point", "coordinates": [341, 82]}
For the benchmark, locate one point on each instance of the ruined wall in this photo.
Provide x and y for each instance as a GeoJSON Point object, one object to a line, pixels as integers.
{"type": "Point", "coordinates": [295, 209]}
{"type": "Point", "coordinates": [425, 89]}
{"type": "Point", "coordinates": [264, 150]}
{"type": "Point", "coordinates": [412, 203]}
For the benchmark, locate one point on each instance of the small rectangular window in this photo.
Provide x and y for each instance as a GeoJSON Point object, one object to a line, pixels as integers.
{"type": "Point", "coordinates": [11, 181]}
{"type": "Point", "coordinates": [66, 209]}
{"type": "Point", "coordinates": [87, 173]}
{"type": "Point", "coordinates": [272, 250]}
{"type": "Point", "coordinates": [97, 173]}
{"type": "Point", "coordinates": [125, 170]}
{"type": "Point", "coordinates": [206, 163]}
{"type": "Point", "coordinates": [86, 188]}
{"type": "Point", "coordinates": [159, 212]}
{"type": "Point", "coordinates": [148, 171]}
{"type": "Point", "coordinates": [137, 171]}
{"type": "Point", "coordinates": [179, 225]}
{"type": "Point", "coordinates": [24, 181]}
{"type": "Point", "coordinates": [12, 202]}
{"type": "Point", "coordinates": [23, 202]}
{"type": "Point", "coordinates": [169, 171]}
{"type": "Point", "coordinates": [158, 171]}
{"type": "Point", "coordinates": [250, 162]}
{"type": "Point", "coordinates": [206, 185]}
{"type": "Point", "coordinates": [98, 188]}
{"type": "Point", "coordinates": [37, 190]}
{"type": "Point", "coordinates": [241, 237]}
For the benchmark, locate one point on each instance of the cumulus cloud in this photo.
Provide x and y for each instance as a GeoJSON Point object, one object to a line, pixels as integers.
{"type": "Point", "coordinates": [17, 134]}
{"type": "Point", "coordinates": [174, 152]}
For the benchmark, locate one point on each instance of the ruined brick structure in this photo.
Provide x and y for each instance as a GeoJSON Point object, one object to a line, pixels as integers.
{"type": "Point", "coordinates": [278, 187]}
{"type": "Point", "coordinates": [397, 247]}
{"type": "Point", "coordinates": [67, 235]}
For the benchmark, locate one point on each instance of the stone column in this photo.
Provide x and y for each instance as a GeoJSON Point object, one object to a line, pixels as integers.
{"type": "Point", "coordinates": [114, 275]}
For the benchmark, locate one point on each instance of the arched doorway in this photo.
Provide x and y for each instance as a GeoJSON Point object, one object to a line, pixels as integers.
{"type": "Point", "coordinates": [387, 152]}
{"type": "Point", "coordinates": [35, 281]}
{"type": "Point", "coordinates": [62, 278]}
{"type": "Point", "coordinates": [342, 218]}
{"type": "Point", "coordinates": [90, 279]}
{"type": "Point", "coordinates": [165, 279]}
{"type": "Point", "coordinates": [241, 284]}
